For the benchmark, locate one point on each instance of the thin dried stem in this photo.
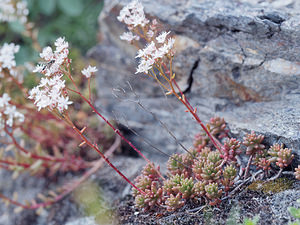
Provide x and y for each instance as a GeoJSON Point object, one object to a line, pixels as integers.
{"type": "Point", "coordinates": [277, 175]}
{"type": "Point", "coordinates": [115, 130]}
{"type": "Point", "coordinates": [248, 166]}
{"type": "Point", "coordinates": [95, 147]}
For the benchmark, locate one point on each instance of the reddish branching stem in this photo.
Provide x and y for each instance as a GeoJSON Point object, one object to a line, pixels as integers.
{"type": "Point", "coordinates": [12, 163]}
{"type": "Point", "coordinates": [114, 129]}
{"type": "Point", "coordinates": [95, 147]}
{"type": "Point", "coordinates": [185, 102]}
{"type": "Point", "coordinates": [34, 156]}
{"type": "Point", "coordinates": [68, 188]}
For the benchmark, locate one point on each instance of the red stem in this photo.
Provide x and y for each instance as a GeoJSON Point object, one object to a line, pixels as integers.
{"type": "Point", "coordinates": [190, 108]}
{"type": "Point", "coordinates": [114, 129]}
{"type": "Point", "coordinates": [34, 156]}
{"type": "Point", "coordinates": [192, 111]}
{"type": "Point", "coordinates": [25, 165]}
{"type": "Point", "coordinates": [90, 95]}
{"type": "Point", "coordinates": [74, 185]}
{"type": "Point", "coordinates": [106, 159]}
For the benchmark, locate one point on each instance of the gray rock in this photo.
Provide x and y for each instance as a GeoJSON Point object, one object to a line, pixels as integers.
{"type": "Point", "coordinates": [281, 202]}
{"type": "Point", "coordinates": [82, 221]}
{"type": "Point", "coordinates": [236, 59]}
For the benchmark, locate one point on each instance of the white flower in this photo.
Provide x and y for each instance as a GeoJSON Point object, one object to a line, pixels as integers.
{"type": "Point", "coordinates": [63, 103]}
{"type": "Point", "coordinates": [171, 42]}
{"type": "Point", "coordinates": [53, 60]}
{"type": "Point", "coordinates": [56, 80]}
{"type": "Point", "coordinates": [129, 36]}
{"type": "Point", "coordinates": [43, 82]}
{"type": "Point", "coordinates": [167, 47]}
{"type": "Point", "coordinates": [33, 92]}
{"type": "Point", "coordinates": [123, 14]}
{"type": "Point", "coordinates": [139, 19]}
{"type": "Point", "coordinates": [8, 112]}
{"type": "Point", "coordinates": [4, 100]}
{"type": "Point", "coordinates": [47, 53]}
{"type": "Point", "coordinates": [87, 72]}
{"type": "Point", "coordinates": [149, 51]}
{"type": "Point", "coordinates": [19, 116]}
{"type": "Point", "coordinates": [53, 69]}
{"type": "Point", "coordinates": [43, 102]}
{"type": "Point", "coordinates": [140, 53]}
{"type": "Point", "coordinates": [50, 94]}
{"type": "Point", "coordinates": [39, 68]}
{"type": "Point", "coordinates": [12, 114]}
{"type": "Point", "coordinates": [158, 54]}
{"type": "Point", "coordinates": [144, 66]}
{"type": "Point", "coordinates": [7, 57]}
{"type": "Point", "coordinates": [133, 14]}
{"type": "Point", "coordinates": [61, 44]}
{"type": "Point", "coordinates": [162, 37]}
{"type": "Point", "coordinates": [11, 10]}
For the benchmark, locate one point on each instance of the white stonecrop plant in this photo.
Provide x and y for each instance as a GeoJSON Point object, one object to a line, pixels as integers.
{"type": "Point", "coordinates": [51, 93]}
{"type": "Point", "coordinates": [158, 47]}
{"type": "Point", "coordinates": [8, 113]}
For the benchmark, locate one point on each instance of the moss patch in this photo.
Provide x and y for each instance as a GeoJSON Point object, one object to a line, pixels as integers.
{"type": "Point", "coordinates": [91, 199]}
{"type": "Point", "coordinates": [271, 187]}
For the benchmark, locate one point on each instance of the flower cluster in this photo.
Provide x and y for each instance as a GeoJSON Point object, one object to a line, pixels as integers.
{"type": "Point", "coordinates": [8, 112]}
{"type": "Point", "coordinates": [7, 57]}
{"type": "Point", "coordinates": [133, 15]}
{"type": "Point", "coordinates": [159, 45]}
{"type": "Point", "coordinates": [13, 10]}
{"type": "Point", "coordinates": [53, 60]}
{"type": "Point", "coordinates": [51, 93]}
{"type": "Point", "coordinates": [154, 52]}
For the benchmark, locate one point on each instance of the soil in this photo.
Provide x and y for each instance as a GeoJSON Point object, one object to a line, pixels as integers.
{"type": "Point", "coordinates": [246, 204]}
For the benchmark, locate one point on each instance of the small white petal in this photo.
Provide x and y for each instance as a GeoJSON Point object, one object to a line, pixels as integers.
{"type": "Point", "coordinates": [87, 72]}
